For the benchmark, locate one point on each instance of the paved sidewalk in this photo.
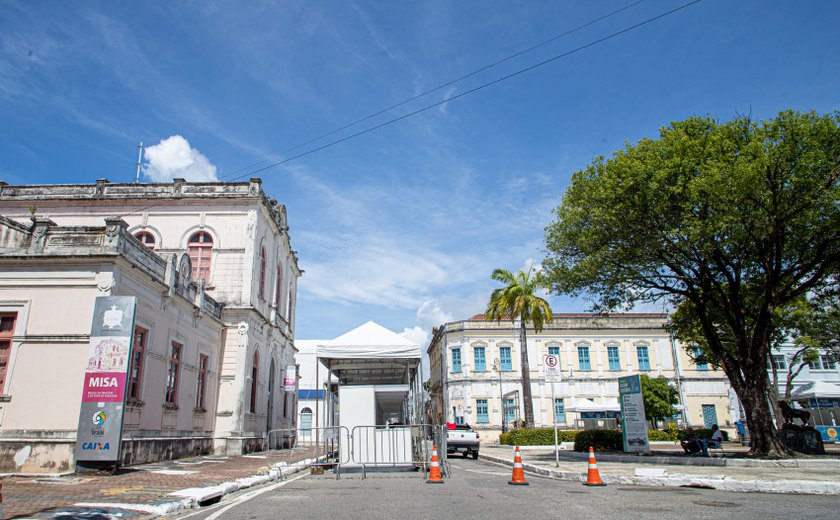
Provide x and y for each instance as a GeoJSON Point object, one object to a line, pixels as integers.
{"type": "Point", "coordinates": [144, 491]}
{"type": "Point", "coordinates": [666, 466]}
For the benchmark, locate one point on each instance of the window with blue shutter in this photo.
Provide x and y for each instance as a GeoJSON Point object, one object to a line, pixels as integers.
{"type": "Point", "coordinates": [644, 360]}
{"type": "Point", "coordinates": [479, 361]}
{"type": "Point", "coordinates": [456, 360]}
{"type": "Point", "coordinates": [481, 411]}
{"type": "Point", "coordinates": [504, 354]}
{"type": "Point", "coordinates": [583, 359]}
{"type": "Point", "coordinates": [614, 358]}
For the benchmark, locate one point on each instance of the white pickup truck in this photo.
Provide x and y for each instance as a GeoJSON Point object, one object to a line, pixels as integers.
{"type": "Point", "coordinates": [462, 439]}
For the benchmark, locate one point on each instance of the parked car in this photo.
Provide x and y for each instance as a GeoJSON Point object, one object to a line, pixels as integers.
{"type": "Point", "coordinates": [462, 439]}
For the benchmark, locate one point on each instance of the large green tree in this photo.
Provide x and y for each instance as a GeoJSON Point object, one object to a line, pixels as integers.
{"type": "Point", "coordinates": [728, 221]}
{"type": "Point", "coordinates": [659, 398]}
{"type": "Point", "coordinates": [518, 300]}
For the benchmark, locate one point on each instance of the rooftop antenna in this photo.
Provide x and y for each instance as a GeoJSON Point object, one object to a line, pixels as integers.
{"type": "Point", "coordinates": [139, 160]}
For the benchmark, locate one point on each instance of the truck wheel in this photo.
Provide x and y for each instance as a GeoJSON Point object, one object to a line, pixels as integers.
{"type": "Point", "coordinates": [475, 455]}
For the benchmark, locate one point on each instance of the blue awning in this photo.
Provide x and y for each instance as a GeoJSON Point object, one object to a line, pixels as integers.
{"type": "Point", "coordinates": [306, 393]}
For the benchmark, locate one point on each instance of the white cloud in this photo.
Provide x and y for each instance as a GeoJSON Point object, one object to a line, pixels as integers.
{"type": "Point", "coordinates": [174, 158]}
{"type": "Point", "coordinates": [416, 334]}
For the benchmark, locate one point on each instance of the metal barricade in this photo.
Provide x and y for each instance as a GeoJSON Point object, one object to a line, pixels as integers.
{"type": "Point", "coordinates": [398, 446]}
{"type": "Point", "coordinates": [322, 447]}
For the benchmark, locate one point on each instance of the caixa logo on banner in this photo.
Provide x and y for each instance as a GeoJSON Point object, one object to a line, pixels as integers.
{"type": "Point", "coordinates": [96, 446]}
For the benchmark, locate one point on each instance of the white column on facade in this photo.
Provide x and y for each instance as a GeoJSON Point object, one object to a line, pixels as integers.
{"type": "Point", "coordinates": [596, 347]}
{"type": "Point", "coordinates": [656, 346]}
{"type": "Point", "coordinates": [568, 346]}
{"type": "Point", "coordinates": [628, 356]}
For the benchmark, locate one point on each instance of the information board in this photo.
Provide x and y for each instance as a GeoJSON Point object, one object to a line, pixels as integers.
{"type": "Point", "coordinates": [103, 394]}
{"type": "Point", "coordinates": [633, 424]}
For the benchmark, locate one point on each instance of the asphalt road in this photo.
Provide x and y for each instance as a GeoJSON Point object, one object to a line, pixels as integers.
{"type": "Point", "coordinates": [480, 490]}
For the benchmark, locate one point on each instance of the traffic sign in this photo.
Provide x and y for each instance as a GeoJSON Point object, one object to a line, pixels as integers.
{"type": "Point", "coordinates": [552, 368]}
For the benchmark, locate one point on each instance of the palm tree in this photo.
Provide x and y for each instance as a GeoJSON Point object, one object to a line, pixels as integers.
{"type": "Point", "coordinates": [516, 300]}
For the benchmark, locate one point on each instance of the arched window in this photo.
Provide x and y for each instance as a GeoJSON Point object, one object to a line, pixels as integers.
{"type": "Point", "coordinates": [200, 249]}
{"type": "Point", "coordinates": [278, 290]}
{"type": "Point", "coordinates": [147, 238]}
{"type": "Point", "coordinates": [306, 420]}
{"type": "Point", "coordinates": [252, 406]}
{"type": "Point", "coordinates": [262, 273]}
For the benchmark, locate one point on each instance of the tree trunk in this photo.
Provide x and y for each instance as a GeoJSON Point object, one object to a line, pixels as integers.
{"type": "Point", "coordinates": [526, 377]}
{"type": "Point", "coordinates": [754, 393]}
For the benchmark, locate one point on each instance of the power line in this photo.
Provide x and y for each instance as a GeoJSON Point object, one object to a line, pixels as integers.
{"type": "Point", "coordinates": [465, 93]}
{"type": "Point", "coordinates": [471, 91]}
{"type": "Point", "coordinates": [444, 85]}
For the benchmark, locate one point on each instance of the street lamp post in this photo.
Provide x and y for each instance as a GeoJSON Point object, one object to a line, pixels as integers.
{"type": "Point", "coordinates": [498, 366]}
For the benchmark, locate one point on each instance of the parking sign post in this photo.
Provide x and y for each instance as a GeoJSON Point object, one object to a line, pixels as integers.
{"type": "Point", "coordinates": [552, 374]}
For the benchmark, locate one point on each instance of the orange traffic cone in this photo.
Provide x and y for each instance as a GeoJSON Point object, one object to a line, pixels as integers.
{"type": "Point", "coordinates": [593, 478]}
{"type": "Point", "coordinates": [518, 478]}
{"type": "Point", "coordinates": [434, 469]}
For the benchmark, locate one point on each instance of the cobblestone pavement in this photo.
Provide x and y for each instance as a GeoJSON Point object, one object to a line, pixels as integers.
{"type": "Point", "coordinates": [150, 484]}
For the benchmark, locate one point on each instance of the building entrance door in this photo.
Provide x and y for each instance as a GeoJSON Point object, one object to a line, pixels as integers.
{"type": "Point", "coordinates": [709, 415]}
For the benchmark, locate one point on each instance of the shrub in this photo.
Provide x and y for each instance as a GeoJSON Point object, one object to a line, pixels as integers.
{"type": "Point", "coordinates": [659, 435]}
{"type": "Point", "coordinates": [599, 439]}
{"type": "Point", "coordinates": [536, 437]}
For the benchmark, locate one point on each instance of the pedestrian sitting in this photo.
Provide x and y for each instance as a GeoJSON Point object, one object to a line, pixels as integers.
{"type": "Point", "coordinates": [717, 438]}
{"type": "Point", "coordinates": [690, 443]}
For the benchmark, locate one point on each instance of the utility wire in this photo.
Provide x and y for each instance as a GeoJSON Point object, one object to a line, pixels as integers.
{"type": "Point", "coordinates": [465, 93]}
{"type": "Point", "coordinates": [444, 85]}
{"type": "Point", "coordinates": [471, 91]}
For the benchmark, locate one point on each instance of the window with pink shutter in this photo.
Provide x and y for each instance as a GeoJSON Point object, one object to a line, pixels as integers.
{"type": "Point", "coordinates": [200, 249]}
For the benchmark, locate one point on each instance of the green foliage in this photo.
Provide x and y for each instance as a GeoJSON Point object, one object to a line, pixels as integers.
{"type": "Point", "coordinates": [673, 432]}
{"type": "Point", "coordinates": [659, 397]}
{"type": "Point", "coordinates": [659, 435]}
{"type": "Point", "coordinates": [517, 299]}
{"type": "Point", "coordinates": [536, 437]}
{"type": "Point", "coordinates": [728, 221]}
{"type": "Point", "coordinates": [601, 440]}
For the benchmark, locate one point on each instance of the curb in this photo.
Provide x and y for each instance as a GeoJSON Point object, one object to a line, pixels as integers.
{"type": "Point", "coordinates": [679, 460]}
{"type": "Point", "coordinates": [192, 497]}
{"type": "Point", "coordinates": [687, 480]}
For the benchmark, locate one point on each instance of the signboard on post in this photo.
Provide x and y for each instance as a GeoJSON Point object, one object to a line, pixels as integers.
{"type": "Point", "coordinates": [633, 423]}
{"type": "Point", "coordinates": [552, 368]}
{"type": "Point", "coordinates": [103, 395]}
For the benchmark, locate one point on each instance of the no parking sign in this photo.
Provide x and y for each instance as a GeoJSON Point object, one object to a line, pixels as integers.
{"type": "Point", "coordinates": [552, 368]}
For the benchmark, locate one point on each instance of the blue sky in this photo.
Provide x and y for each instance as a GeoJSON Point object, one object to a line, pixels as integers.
{"type": "Point", "coordinates": [403, 225]}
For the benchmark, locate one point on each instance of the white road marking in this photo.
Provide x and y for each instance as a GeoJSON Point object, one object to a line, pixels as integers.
{"type": "Point", "coordinates": [486, 472]}
{"type": "Point", "coordinates": [242, 498]}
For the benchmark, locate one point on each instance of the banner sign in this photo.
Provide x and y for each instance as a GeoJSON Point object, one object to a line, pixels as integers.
{"type": "Point", "coordinates": [103, 394]}
{"type": "Point", "coordinates": [290, 381]}
{"type": "Point", "coordinates": [633, 424]}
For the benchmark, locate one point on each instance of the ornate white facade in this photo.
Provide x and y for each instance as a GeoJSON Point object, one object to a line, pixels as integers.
{"type": "Point", "coordinates": [594, 352]}
{"type": "Point", "coordinates": [231, 242]}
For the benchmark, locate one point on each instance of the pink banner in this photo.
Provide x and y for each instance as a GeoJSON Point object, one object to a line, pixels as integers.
{"type": "Point", "coordinates": [103, 387]}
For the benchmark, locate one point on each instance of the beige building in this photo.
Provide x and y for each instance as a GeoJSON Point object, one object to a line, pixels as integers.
{"type": "Point", "coordinates": [50, 276]}
{"type": "Point", "coordinates": [475, 374]}
{"type": "Point", "coordinates": [215, 275]}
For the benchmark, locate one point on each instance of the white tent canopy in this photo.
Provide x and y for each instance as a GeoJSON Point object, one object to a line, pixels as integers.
{"type": "Point", "coordinates": [369, 341]}
{"type": "Point", "coordinates": [586, 405]}
{"type": "Point", "coordinates": [816, 389]}
{"type": "Point", "coordinates": [370, 354]}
